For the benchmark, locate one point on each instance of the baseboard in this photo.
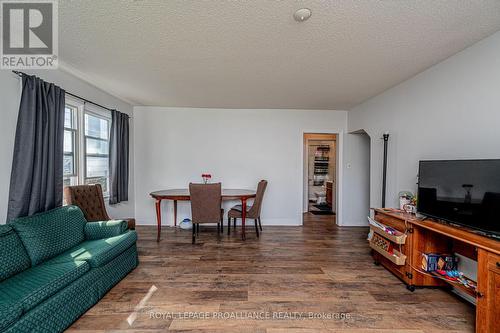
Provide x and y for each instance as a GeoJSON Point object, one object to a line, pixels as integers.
{"type": "Point", "coordinates": [355, 224]}
{"type": "Point", "coordinates": [270, 222]}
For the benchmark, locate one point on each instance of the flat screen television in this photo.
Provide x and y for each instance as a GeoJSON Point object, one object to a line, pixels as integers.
{"type": "Point", "coordinates": [465, 192]}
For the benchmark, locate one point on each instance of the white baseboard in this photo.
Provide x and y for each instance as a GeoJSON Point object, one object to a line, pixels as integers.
{"type": "Point", "coordinates": [355, 224]}
{"type": "Point", "coordinates": [273, 222]}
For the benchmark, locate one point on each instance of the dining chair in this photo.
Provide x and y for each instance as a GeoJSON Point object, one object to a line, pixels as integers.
{"type": "Point", "coordinates": [90, 199]}
{"type": "Point", "coordinates": [206, 200]}
{"type": "Point", "coordinates": [253, 211]}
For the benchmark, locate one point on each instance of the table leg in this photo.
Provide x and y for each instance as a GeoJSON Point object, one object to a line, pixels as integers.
{"type": "Point", "coordinates": [243, 216]}
{"type": "Point", "coordinates": [175, 213]}
{"type": "Point", "coordinates": [158, 219]}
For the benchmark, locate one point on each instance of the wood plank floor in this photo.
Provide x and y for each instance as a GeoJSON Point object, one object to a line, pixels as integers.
{"type": "Point", "coordinates": [271, 285]}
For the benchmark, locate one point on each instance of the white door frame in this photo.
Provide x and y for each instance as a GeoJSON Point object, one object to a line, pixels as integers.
{"type": "Point", "coordinates": [338, 170]}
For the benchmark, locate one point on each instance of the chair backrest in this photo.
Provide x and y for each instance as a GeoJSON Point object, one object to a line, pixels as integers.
{"type": "Point", "coordinates": [206, 202]}
{"type": "Point", "coordinates": [259, 197]}
{"type": "Point", "coordinates": [90, 200]}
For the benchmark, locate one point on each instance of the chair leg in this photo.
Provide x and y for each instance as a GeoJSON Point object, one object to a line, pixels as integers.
{"type": "Point", "coordinates": [260, 224]}
{"type": "Point", "coordinates": [228, 226]}
{"type": "Point", "coordinates": [194, 234]}
{"type": "Point", "coordinates": [221, 225]}
{"type": "Point", "coordinates": [235, 224]}
{"type": "Point", "coordinates": [256, 228]}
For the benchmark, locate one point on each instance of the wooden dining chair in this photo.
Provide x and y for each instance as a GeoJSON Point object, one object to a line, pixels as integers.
{"type": "Point", "coordinates": [206, 200]}
{"type": "Point", "coordinates": [253, 211]}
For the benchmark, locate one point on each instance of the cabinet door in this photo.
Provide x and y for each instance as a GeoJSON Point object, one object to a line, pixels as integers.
{"type": "Point", "coordinates": [400, 271]}
{"type": "Point", "coordinates": [488, 302]}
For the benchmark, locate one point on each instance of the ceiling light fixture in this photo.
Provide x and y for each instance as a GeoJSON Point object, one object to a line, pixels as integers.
{"type": "Point", "coordinates": [302, 14]}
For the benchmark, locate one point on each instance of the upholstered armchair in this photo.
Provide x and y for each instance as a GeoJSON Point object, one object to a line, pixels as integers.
{"type": "Point", "coordinates": [91, 201]}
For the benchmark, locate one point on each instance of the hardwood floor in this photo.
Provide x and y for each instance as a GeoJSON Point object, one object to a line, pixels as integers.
{"type": "Point", "coordinates": [262, 284]}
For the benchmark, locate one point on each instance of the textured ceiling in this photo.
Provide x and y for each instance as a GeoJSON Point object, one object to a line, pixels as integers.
{"type": "Point", "coordinates": [252, 54]}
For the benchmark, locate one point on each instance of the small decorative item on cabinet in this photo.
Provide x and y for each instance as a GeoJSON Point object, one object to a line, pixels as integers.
{"type": "Point", "coordinates": [206, 177]}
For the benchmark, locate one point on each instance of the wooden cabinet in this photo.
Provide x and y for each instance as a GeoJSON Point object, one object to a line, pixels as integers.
{"type": "Point", "coordinates": [433, 237]}
{"type": "Point", "coordinates": [488, 301]}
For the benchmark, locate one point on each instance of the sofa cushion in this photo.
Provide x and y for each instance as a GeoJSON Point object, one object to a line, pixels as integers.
{"type": "Point", "coordinates": [13, 256]}
{"type": "Point", "coordinates": [48, 234]}
{"type": "Point", "coordinates": [98, 252]}
{"type": "Point", "coordinates": [33, 286]}
{"type": "Point", "coordinates": [9, 313]}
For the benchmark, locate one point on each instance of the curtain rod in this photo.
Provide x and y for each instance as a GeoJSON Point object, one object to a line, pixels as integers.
{"type": "Point", "coordinates": [20, 74]}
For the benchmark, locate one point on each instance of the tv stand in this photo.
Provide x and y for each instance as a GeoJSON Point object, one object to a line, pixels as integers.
{"type": "Point", "coordinates": [427, 236]}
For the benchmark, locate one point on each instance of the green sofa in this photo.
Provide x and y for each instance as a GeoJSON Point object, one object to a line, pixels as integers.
{"type": "Point", "coordinates": [55, 265]}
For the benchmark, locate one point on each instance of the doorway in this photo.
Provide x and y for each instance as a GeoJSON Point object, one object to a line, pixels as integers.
{"type": "Point", "coordinates": [357, 178]}
{"type": "Point", "coordinates": [320, 169]}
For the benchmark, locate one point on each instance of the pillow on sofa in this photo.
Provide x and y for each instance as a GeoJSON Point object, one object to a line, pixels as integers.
{"type": "Point", "coordinates": [48, 234]}
{"type": "Point", "coordinates": [13, 256]}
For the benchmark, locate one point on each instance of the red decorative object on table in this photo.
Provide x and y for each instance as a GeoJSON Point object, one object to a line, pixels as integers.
{"type": "Point", "coordinates": [206, 177]}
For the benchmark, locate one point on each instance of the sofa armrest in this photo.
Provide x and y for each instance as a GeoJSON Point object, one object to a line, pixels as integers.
{"type": "Point", "coordinates": [105, 229]}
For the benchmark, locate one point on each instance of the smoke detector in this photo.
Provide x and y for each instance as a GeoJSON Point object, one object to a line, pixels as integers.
{"type": "Point", "coordinates": [302, 14]}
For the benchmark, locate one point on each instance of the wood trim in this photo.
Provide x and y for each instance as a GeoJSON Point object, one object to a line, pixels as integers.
{"type": "Point", "coordinates": [320, 137]}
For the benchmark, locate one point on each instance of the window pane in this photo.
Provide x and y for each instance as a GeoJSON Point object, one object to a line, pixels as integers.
{"type": "Point", "coordinates": [68, 141]}
{"type": "Point", "coordinates": [95, 146]}
{"type": "Point", "coordinates": [97, 167]}
{"type": "Point", "coordinates": [96, 127]}
{"type": "Point", "coordinates": [68, 117]}
{"type": "Point", "coordinates": [70, 181]}
{"type": "Point", "coordinates": [69, 165]}
{"type": "Point", "coordinates": [98, 180]}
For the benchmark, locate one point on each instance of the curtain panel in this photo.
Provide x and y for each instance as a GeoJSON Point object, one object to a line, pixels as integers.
{"type": "Point", "coordinates": [36, 183]}
{"type": "Point", "coordinates": [119, 157]}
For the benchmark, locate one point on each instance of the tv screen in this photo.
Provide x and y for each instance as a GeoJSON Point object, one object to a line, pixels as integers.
{"type": "Point", "coordinates": [465, 192]}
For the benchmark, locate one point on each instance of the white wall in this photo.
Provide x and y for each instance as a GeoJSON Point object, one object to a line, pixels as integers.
{"type": "Point", "coordinates": [356, 179]}
{"type": "Point", "coordinates": [10, 94]}
{"type": "Point", "coordinates": [174, 146]}
{"type": "Point", "coordinates": [449, 111]}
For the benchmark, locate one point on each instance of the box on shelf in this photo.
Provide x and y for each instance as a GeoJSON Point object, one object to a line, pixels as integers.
{"type": "Point", "coordinates": [435, 261]}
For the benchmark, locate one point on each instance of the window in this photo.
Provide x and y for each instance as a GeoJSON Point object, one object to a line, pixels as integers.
{"type": "Point", "coordinates": [96, 150]}
{"type": "Point", "coordinates": [86, 145]}
{"type": "Point", "coordinates": [70, 147]}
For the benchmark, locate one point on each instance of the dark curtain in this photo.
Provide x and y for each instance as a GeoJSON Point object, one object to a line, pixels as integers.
{"type": "Point", "coordinates": [36, 183]}
{"type": "Point", "coordinates": [118, 157]}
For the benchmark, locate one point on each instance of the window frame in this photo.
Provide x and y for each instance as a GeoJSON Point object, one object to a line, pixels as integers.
{"type": "Point", "coordinates": [74, 135]}
{"type": "Point", "coordinates": [107, 118]}
{"type": "Point", "coordinates": [80, 109]}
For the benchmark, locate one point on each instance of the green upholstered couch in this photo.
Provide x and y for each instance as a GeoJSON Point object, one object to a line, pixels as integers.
{"type": "Point", "coordinates": [55, 265]}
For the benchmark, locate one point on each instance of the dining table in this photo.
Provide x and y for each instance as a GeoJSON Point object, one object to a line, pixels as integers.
{"type": "Point", "coordinates": [182, 194]}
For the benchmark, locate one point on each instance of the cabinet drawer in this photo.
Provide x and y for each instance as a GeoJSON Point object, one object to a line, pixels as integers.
{"type": "Point", "coordinates": [493, 261]}
{"type": "Point", "coordinates": [398, 237]}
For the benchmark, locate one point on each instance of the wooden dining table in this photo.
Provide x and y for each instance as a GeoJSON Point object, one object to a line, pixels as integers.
{"type": "Point", "coordinates": [183, 195]}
